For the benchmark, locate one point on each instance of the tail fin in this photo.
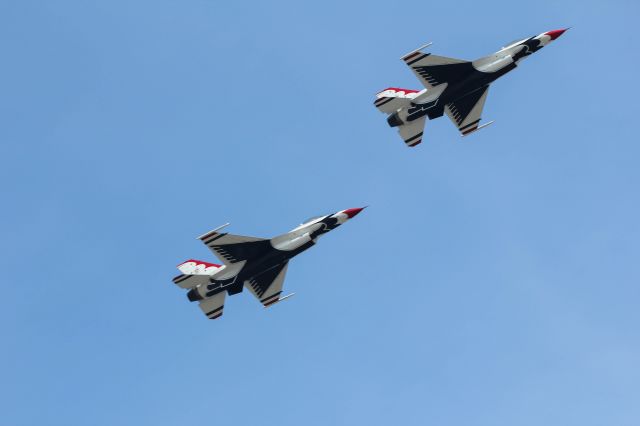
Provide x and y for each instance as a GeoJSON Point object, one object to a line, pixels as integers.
{"type": "Point", "coordinates": [198, 267]}
{"type": "Point", "coordinates": [393, 98]}
{"type": "Point", "coordinates": [194, 273]}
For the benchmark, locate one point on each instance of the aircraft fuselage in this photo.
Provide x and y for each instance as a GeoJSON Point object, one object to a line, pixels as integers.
{"type": "Point", "coordinates": [465, 78]}
{"type": "Point", "coordinates": [264, 255]}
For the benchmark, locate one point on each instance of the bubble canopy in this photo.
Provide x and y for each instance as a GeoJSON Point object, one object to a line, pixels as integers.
{"type": "Point", "coordinates": [313, 219]}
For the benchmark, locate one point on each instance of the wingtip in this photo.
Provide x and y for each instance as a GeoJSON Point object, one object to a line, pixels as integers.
{"type": "Point", "coordinates": [278, 300]}
{"type": "Point", "coordinates": [213, 231]}
{"type": "Point", "coordinates": [407, 55]}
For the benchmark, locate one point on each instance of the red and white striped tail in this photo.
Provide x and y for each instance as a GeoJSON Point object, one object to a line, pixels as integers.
{"type": "Point", "coordinates": [393, 98]}
{"type": "Point", "coordinates": [198, 267]}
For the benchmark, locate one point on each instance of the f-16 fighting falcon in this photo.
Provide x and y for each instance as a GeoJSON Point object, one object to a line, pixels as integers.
{"type": "Point", "coordinates": [257, 263]}
{"type": "Point", "coordinates": [453, 86]}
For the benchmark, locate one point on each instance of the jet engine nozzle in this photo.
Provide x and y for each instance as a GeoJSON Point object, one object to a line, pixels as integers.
{"type": "Point", "coordinates": [194, 295]}
{"type": "Point", "coordinates": [394, 120]}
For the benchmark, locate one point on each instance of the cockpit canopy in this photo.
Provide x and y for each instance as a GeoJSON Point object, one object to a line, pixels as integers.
{"type": "Point", "coordinates": [513, 43]}
{"type": "Point", "coordinates": [309, 222]}
{"type": "Point", "coordinates": [312, 219]}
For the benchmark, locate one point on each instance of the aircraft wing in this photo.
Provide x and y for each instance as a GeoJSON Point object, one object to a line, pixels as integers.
{"type": "Point", "coordinates": [433, 70]}
{"type": "Point", "coordinates": [230, 248]}
{"type": "Point", "coordinates": [213, 306]}
{"type": "Point", "coordinates": [466, 112]}
{"type": "Point", "coordinates": [267, 286]}
{"type": "Point", "coordinates": [411, 133]}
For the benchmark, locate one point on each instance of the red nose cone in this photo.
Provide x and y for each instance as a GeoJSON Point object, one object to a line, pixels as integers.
{"type": "Point", "coordinates": [352, 212]}
{"type": "Point", "coordinates": [555, 33]}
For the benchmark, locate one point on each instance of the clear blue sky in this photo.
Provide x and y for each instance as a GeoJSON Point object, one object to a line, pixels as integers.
{"type": "Point", "coordinates": [493, 281]}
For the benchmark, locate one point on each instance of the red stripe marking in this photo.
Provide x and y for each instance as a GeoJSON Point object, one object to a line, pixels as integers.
{"type": "Point", "coordinates": [398, 89]}
{"type": "Point", "coordinates": [271, 297]}
{"type": "Point", "coordinates": [406, 58]}
{"type": "Point", "coordinates": [200, 262]}
{"type": "Point", "coordinates": [204, 237]}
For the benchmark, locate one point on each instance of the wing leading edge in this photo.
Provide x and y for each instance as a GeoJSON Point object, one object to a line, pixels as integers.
{"type": "Point", "coordinates": [433, 70]}
{"type": "Point", "coordinates": [230, 248]}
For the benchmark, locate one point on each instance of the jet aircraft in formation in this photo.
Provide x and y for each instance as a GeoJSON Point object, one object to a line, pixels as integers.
{"type": "Point", "coordinates": [256, 263]}
{"type": "Point", "coordinates": [454, 87]}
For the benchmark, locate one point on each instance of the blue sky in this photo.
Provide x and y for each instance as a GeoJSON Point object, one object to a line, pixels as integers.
{"type": "Point", "coordinates": [493, 281]}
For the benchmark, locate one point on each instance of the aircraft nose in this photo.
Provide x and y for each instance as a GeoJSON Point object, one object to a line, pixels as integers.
{"type": "Point", "coordinates": [554, 34]}
{"type": "Point", "coordinates": [352, 212]}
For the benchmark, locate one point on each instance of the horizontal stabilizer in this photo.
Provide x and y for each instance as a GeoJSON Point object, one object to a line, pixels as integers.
{"type": "Point", "coordinates": [411, 132]}
{"type": "Point", "coordinates": [190, 281]}
{"type": "Point", "coordinates": [213, 306]}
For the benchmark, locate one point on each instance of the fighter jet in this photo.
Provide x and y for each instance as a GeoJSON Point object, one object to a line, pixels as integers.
{"type": "Point", "coordinates": [256, 263]}
{"type": "Point", "coordinates": [456, 87]}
